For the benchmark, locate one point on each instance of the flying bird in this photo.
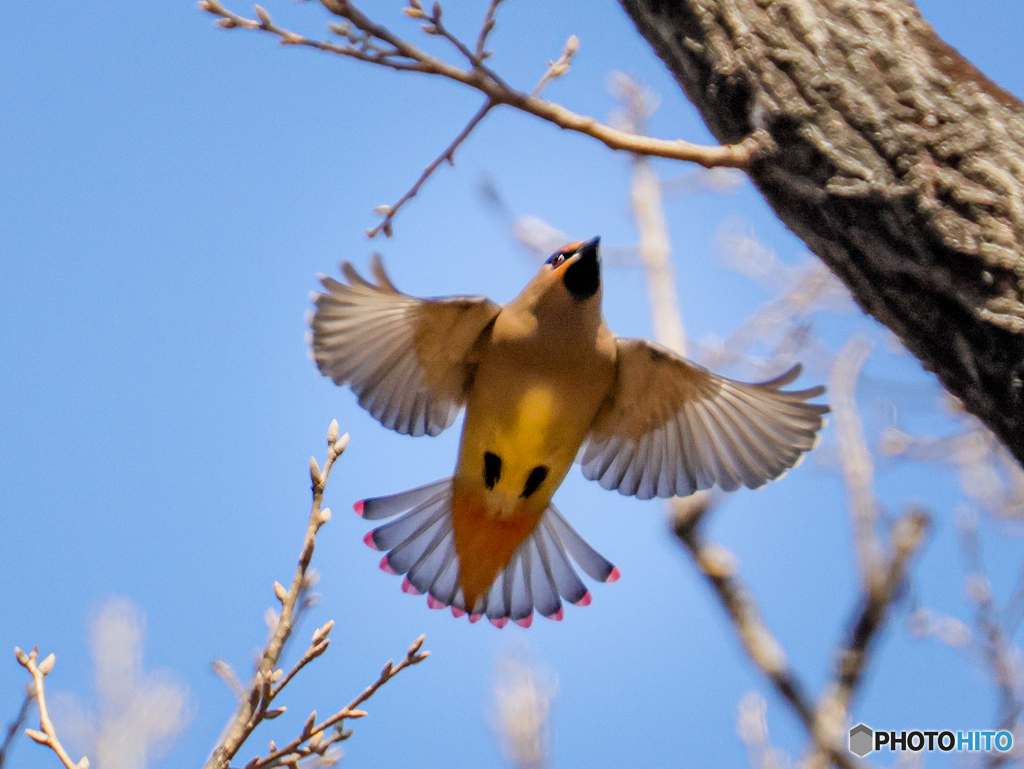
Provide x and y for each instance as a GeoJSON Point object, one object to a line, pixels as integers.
{"type": "Point", "coordinates": [544, 382]}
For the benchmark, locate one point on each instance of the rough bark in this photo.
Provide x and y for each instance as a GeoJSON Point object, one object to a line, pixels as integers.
{"type": "Point", "coordinates": [895, 159]}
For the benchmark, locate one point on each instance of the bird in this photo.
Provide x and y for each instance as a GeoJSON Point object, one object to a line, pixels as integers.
{"type": "Point", "coordinates": [544, 382]}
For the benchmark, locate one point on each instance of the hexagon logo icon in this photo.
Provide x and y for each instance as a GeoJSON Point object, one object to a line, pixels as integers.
{"type": "Point", "coordinates": [861, 740]}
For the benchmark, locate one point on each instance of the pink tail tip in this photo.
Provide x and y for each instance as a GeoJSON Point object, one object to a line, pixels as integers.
{"type": "Point", "coordinates": [614, 576]}
{"type": "Point", "coordinates": [457, 612]}
{"type": "Point", "coordinates": [500, 622]}
{"type": "Point", "coordinates": [525, 621]}
{"type": "Point", "coordinates": [585, 600]}
{"type": "Point", "coordinates": [358, 507]}
{"type": "Point", "coordinates": [385, 566]}
{"type": "Point", "coordinates": [475, 617]}
{"type": "Point", "coordinates": [433, 603]}
{"type": "Point", "coordinates": [558, 616]}
{"type": "Point", "coordinates": [368, 541]}
{"type": "Point", "coordinates": [409, 588]}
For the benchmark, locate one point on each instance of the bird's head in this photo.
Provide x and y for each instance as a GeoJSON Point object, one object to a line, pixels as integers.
{"type": "Point", "coordinates": [577, 267]}
{"type": "Point", "coordinates": [567, 287]}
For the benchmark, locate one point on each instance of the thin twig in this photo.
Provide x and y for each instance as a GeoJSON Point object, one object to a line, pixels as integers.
{"type": "Point", "coordinates": [881, 580]}
{"type": "Point", "coordinates": [47, 734]}
{"type": "Point", "coordinates": [1013, 611]}
{"type": "Point", "coordinates": [435, 26]}
{"type": "Point", "coordinates": [649, 212]}
{"type": "Point", "coordinates": [317, 647]}
{"type": "Point", "coordinates": [485, 29]}
{"type": "Point", "coordinates": [359, 47]}
{"type": "Point", "coordinates": [269, 681]}
{"type": "Point", "coordinates": [908, 536]}
{"type": "Point", "coordinates": [15, 728]}
{"type": "Point", "coordinates": [758, 641]}
{"type": "Point", "coordinates": [752, 727]}
{"type": "Point", "coordinates": [227, 674]}
{"type": "Point", "coordinates": [298, 748]}
{"type": "Point", "coordinates": [253, 708]}
{"type": "Point", "coordinates": [858, 468]}
{"type": "Point", "coordinates": [449, 154]}
{"type": "Point", "coordinates": [378, 45]}
{"type": "Point", "coordinates": [689, 512]}
{"type": "Point", "coordinates": [792, 306]}
{"type": "Point", "coordinates": [997, 646]}
{"type": "Point", "coordinates": [834, 707]}
{"type": "Point", "coordinates": [558, 67]}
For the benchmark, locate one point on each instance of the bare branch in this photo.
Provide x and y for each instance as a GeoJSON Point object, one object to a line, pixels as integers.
{"type": "Point", "coordinates": [833, 709]}
{"type": "Point", "coordinates": [311, 741]}
{"type": "Point", "coordinates": [752, 727]}
{"type": "Point", "coordinates": [996, 647]}
{"type": "Point", "coordinates": [654, 244]}
{"type": "Point", "coordinates": [558, 67]}
{"type": "Point", "coordinates": [908, 536]}
{"type": "Point", "coordinates": [522, 702]}
{"type": "Point", "coordinates": [436, 27]}
{"type": "Point", "coordinates": [227, 674]}
{"type": "Point", "coordinates": [253, 707]}
{"type": "Point", "coordinates": [317, 647]}
{"type": "Point", "coordinates": [815, 283]}
{"type": "Point", "coordinates": [485, 30]}
{"type": "Point", "coordinates": [47, 734]}
{"type": "Point", "coordinates": [449, 154]}
{"type": "Point", "coordinates": [758, 641]}
{"type": "Point", "coordinates": [269, 681]}
{"type": "Point", "coordinates": [858, 468]}
{"type": "Point", "coordinates": [368, 41]}
{"type": "Point", "coordinates": [358, 47]}
{"type": "Point", "coordinates": [15, 728]}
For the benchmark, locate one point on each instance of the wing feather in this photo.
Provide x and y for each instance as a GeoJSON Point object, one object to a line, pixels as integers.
{"type": "Point", "coordinates": [420, 543]}
{"type": "Point", "coordinates": [408, 360]}
{"type": "Point", "coordinates": [671, 427]}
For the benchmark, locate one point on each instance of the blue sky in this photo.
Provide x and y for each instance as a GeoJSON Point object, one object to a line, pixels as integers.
{"type": "Point", "coordinates": [168, 193]}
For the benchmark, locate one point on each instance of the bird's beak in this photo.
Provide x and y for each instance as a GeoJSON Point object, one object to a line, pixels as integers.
{"type": "Point", "coordinates": [582, 276]}
{"type": "Point", "coordinates": [583, 252]}
{"type": "Point", "coordinates": [586, 252]}
{"type": "Point", "coordinates": [589, 249]}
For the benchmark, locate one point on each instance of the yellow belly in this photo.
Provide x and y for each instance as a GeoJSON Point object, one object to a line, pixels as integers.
{"type": "Point", "coordinates": [490, 523]}
{"type": "Point", "coordinates": [525, 441]}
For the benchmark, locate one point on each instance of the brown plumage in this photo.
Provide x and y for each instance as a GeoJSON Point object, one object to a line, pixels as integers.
{"type": "Point", "coordinates": [543, 381]}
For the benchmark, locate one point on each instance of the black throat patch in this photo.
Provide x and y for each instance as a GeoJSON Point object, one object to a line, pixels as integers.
{"type": "Point", "coordinates": [583, 277]}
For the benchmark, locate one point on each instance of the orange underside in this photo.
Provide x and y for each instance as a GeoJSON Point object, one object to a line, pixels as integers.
{"type": "Point", "coordinates": [484, 544]}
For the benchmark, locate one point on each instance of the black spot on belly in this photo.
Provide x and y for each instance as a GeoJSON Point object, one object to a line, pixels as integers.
{"type": "Point", "coordinates": [537, 476]}
{"type": "Point", "coordinates": [492, 469]}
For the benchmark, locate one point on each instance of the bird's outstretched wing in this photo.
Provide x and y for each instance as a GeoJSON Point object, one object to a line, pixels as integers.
{"type": "Point", "coordinates": [408, 360]}
{"type": "Point", "coordinates": [671, 427]}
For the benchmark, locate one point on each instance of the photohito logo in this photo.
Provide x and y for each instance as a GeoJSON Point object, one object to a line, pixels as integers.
{"type": "Point", "coordinates": [864, 740]}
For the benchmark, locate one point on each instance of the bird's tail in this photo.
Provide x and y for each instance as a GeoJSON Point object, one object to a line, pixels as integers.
{"type": "Point", "coordinates": [421, 545]}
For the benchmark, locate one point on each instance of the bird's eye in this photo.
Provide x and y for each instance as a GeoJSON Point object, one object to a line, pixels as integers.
{"type": "Point", "coordinates": [563, 253]}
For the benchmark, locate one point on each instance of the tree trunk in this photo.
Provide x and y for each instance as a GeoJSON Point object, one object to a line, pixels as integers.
{"type": "Point", "coordinates": [894, 158]}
